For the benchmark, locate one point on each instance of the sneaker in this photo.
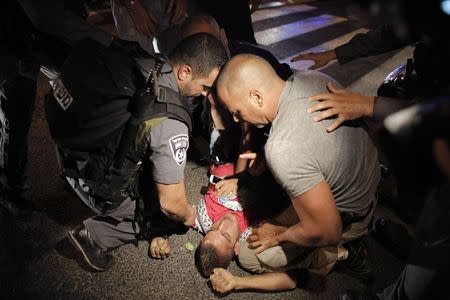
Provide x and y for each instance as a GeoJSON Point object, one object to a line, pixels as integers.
{"type": "Point", "coordinates": [96, 257]}
{"type": "Point", "coordinates": [357, 263]}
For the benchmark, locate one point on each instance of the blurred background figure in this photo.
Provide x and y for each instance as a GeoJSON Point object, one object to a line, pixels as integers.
{"type": "Point", "coordinates": [143, 20]}
{"type": "Point", "coordinates": [414, 137]}
{"type": "Point", "coordinates": [422, 77]}
{"type": "Point", "coordinates": [234, 16]}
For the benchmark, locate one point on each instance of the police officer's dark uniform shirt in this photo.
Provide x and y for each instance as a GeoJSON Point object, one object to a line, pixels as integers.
{"type": "Point", "coordinates": [162, 143]}
{"type": "Point", "coordinates": [169, 141]}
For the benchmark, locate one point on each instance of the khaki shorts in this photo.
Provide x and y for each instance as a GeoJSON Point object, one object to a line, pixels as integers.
{"type": "Point", "coordinates": [289, 256]}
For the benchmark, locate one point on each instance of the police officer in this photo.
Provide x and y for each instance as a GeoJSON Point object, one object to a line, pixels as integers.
{"type": "Point", "coordinates": [161, 145]}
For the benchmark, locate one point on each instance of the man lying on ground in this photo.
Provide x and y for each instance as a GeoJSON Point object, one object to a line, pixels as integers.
{"type": "Point", "coordinates": [226, 222]}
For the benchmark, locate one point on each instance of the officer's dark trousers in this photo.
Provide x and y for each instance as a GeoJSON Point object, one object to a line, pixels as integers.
{"type": "Point", "coordinates": [115, 228]}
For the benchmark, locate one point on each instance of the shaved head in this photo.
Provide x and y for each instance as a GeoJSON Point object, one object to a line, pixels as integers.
{"type": "Point", "coordinates": [249, 87]}
{"type": "Point", "coordinates": [246, 71]}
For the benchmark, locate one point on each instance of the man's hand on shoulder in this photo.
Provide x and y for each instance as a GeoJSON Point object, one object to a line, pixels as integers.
{"type": "Point", "coordinates": [265, 236]}
{"type": "Point", "coordinates": [343, 104]}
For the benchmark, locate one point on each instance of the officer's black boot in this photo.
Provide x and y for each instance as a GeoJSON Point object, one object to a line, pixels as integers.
{"type": "Point", "coordinates": [96, 257]}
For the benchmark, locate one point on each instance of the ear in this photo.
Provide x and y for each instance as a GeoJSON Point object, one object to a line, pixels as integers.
{"type": "Point", "coordinates": [184, 73]}
{"type": "Point", "coordinates": [256, 97]}
{"type": "Point", "coordinates": [237, 248]}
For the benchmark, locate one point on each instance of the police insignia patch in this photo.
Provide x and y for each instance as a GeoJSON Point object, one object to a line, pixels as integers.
{"type": "Point", "coordinates": [179, 145]}
{"type": "Point", "coordinates": [61, 94]}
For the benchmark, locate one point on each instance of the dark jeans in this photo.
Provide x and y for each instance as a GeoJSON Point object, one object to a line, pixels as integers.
{"type": "Point", "coordinates": [427, 273]}
{"type": "Point", "coordinates": [20, 92]}
{"type": "Point", "coordinates": [417, 282]}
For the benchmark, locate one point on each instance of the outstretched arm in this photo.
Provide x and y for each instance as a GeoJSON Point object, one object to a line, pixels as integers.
{"type": "Point", "coordinates": [223, 281]}
{"type": "Point", "coordinates": [373, 42]}
{"type": "Point", "coordinates": [380, 40]}
{"type": "Point", "coordinates": [320, 59]}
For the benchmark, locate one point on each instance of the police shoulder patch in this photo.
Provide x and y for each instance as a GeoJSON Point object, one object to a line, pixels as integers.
{"type": "Point", "coordinates": [179, 145]}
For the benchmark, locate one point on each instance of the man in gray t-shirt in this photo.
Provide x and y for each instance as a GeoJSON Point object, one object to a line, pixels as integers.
{"type": "Point", "coordinates": [301, 153]}
{"type": "Point", "coordinates": [325, 175]}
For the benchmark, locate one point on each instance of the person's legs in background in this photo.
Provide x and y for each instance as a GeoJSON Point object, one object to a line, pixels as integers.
{"type": "Point", "coordinates": [18, 109]}
{"type": "Point", "coordinates": [234, 16]}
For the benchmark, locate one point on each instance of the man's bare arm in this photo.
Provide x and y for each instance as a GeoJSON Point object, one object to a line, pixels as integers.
{"type": "Point", "coordinates": [319, 225]}
{"type": "Point", "coordinates": [320, 59]}
{"type": "Point", "coordinates": [223, 281]}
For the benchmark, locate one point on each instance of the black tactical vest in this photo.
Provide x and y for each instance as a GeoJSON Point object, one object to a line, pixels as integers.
{"type": "Point", "coordinates": [89, 111]}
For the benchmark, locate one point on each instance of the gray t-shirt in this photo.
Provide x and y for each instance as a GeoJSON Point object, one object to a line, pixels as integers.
{"type": "Point", "coordinates": [301, 153]}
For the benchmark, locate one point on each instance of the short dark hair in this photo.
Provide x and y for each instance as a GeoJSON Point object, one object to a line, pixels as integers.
{"type": "Point", "coordinates": [207, 258]}
{"type": "Point", "coordinates": [202, 51]}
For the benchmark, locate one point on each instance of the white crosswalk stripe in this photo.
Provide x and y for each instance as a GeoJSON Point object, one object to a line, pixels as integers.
{"type": "Point", "coordinates": [276, 34]}
{"type": "Point", "coordinates": [264, 14]}
{"type": "Point", "coordinates": [272, 4]}
{"type": "Point", "coordinates": [371, 76]}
